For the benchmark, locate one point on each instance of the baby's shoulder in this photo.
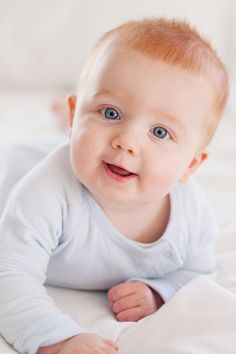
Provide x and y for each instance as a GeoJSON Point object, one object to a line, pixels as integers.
{"type": "Point", "coordinates": [190, 195]}
{"type": "Point", "coordinates": [193, 208]}
{"type": "Point", "coordinates": [52, 178]}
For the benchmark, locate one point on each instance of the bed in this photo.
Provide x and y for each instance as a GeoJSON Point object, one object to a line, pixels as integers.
{"type": "Point", "coordinates": [201, 317]}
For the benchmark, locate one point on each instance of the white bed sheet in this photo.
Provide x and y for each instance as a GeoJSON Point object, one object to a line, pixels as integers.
{"type": "Point", "coordinates": [201, 318]}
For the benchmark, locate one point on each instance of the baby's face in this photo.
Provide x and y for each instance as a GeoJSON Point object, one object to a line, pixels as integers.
{"type": "Point", "coordinates": [137, 128]}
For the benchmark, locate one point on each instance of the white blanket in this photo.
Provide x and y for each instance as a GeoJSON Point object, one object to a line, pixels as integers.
{"type": "Point", "coordinates": [201, 318]}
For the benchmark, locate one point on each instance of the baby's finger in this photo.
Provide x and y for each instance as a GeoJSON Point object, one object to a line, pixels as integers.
{"type": "Point", "coordinates": [125, 303]}
{"type": "Point", "coordinates": [107, 349]}
{"type": "Point", "coordinates": [119, 291]}
{"type": "Point", "coordinates": [134, 314]}
{"type": "Point", "coordinates": [111, 344]}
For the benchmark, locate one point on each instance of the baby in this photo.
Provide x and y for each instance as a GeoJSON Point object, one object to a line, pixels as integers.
{"type": "Point", "coordinates": [116, 208]}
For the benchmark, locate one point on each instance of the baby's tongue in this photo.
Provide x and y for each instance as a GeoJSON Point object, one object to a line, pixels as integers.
{"type": "Point", "coordinates": [119, 170]}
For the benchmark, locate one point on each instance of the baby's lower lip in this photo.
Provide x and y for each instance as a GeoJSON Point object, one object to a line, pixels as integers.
{"type": "Point", "coordinates": [112, 171]}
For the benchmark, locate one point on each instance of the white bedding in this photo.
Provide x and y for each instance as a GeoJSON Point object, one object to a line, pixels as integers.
{"type": "Point", "coordinates": [201, 318]}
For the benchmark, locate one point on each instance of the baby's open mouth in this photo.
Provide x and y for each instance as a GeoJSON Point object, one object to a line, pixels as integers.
{"type": "Point", "coordinates": [118, 173]}
{"type": "Point", "coordinates": [119, 170]}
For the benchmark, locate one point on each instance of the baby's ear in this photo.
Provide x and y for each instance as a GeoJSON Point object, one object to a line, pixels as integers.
{"type": "Point", "coordinates": [71, 104]}
{"type": "Point", "coordinates": [195, 163]}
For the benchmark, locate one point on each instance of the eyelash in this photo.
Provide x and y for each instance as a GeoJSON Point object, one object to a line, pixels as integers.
{"type": "Point", "coordinates": [103, 112]}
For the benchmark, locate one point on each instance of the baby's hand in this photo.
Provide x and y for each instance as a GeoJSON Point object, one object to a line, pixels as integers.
{"type": "Point", "coordinates": [87, 344]}
{"type": "Point", "coordinates": [82, 344]}
{"type": "Point", "coordinates": [133, 301]}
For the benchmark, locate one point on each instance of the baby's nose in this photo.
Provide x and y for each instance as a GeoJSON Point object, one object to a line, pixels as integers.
{"type": "Point", "coordinates": [126, 141]}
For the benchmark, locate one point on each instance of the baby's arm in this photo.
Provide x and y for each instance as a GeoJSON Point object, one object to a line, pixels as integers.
{"type": "Point", "coordinates": [29, 233]}
{"type": "Point", "coordinates": [133, 301]}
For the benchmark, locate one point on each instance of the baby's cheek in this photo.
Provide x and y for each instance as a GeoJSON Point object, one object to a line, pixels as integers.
{"type": "Point", "coordinates": [157, 183]}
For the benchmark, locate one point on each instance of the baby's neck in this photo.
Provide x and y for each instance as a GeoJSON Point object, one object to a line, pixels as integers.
{"type": "Point", "coordinates": [145, 224]}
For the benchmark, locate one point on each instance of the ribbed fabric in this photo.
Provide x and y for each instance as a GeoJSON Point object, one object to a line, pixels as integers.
{"type": "Point", "coordinates": [53, 231]}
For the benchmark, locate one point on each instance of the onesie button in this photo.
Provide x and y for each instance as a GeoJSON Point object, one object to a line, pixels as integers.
{"type": "Point", "coordinates": [168, 254]}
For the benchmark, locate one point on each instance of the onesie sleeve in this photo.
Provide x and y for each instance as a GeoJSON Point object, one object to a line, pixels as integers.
{"type": "Point", "coordinates": [195, 249]}
{"type": "Point", "coordinates": [30, 229]}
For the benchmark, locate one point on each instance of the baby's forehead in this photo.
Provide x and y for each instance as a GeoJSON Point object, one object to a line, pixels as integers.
{"type": "Point", "coordinates": [111, 52]}
{"type": "Point", "coordinates": [115, 61]}
{"type": "Point", "coordinates": [134, 77]}
{"type": "Point", "coordinates": [130, 67]}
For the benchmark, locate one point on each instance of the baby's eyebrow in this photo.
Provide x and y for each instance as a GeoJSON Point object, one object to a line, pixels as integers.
{"type": "Point", "coordinates": [109, 93]}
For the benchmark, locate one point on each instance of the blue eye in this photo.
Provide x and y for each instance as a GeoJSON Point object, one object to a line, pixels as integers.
{"type": "Point", "coordinates": [110, 113]}
{"type": "Point", "coordinates": [160, 132]}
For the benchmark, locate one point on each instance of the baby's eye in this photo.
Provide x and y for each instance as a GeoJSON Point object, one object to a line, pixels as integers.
{"type": "Point", "coordinates": [110, 113]}
{"type": "Point", "coordinates": [160, 133]}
